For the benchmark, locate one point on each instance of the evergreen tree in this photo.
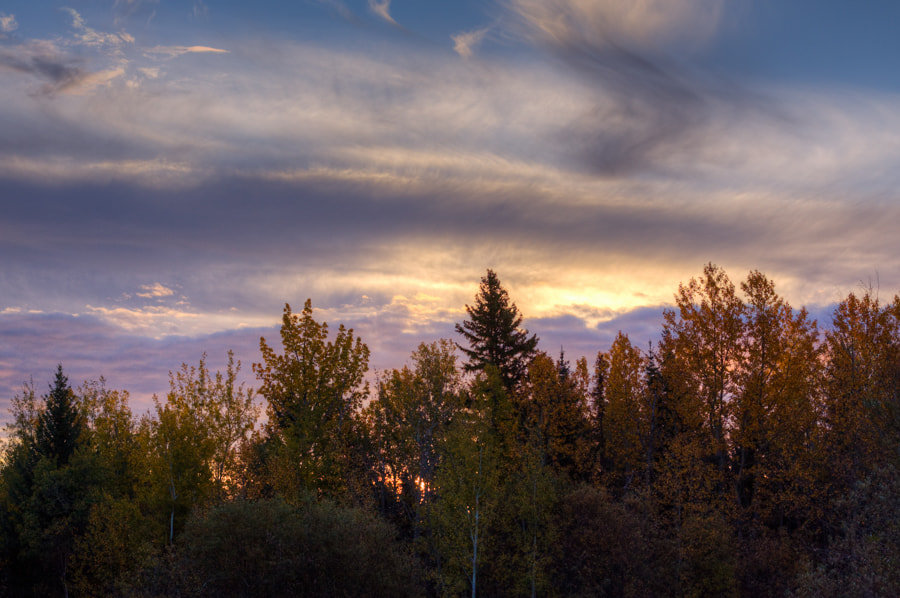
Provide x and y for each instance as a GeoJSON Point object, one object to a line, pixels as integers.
{"type": "Point", "coordinates": [59, 423]}
{"type": "Point", "coordinates": [493, 334]}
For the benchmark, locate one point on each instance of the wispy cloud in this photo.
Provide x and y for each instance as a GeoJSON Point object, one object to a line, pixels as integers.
{"type": "Point", "coordinates": [382, 8]}
{"type": "Point", "coordinates": [90, 37]}
{"type": "Point", "coordinates": [464, 43]}
{"type": "Point", "coordinates": [649, 105]}
{"type": "Point", "coordinates": [154, 321]}
{"type": "Point", "coordinates": [155, 290]}
{"type": "Point", "coordinates": [173, 51]}
{"type": "Point", "coordinates": [641, 25]}
{"type": "Point", "coordinates": [200, 9]}
{"type": "Point", "coordinates": [44, 61]}
{"type": "Point", "coordinates": [124, 9]}
{"type": "Point", "coordinates": [8, 23]}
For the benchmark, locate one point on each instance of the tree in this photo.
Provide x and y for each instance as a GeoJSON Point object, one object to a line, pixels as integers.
{"type": "Point", "coordinates": [59, 423]}
{"type": "Point", "coordinates": [468, 484]}
{"type": "Point", "coordinates": [494, 335]}
{"type": "Point", "coordinates": [272, 548]}
{"type": "Point", "coordinates": [553, 413]}
{"type": "Point", "coordinates": [467, 500]}
{"type": "Point", "coordinates": [703, 337]}
{"type": "Point", "coordinates": [314, 390]}
{"type": "Point", "coordinates": [862, 384]}
{"type": "Point", "coordinates": [599, 455]}
{"type": "Point", "coordinates": [605, 548]}
{"type": "Point", "coordinates": [193, 437]}
{"type": "Point", "coordinates": [47, 487]}
{"type": "Point", "coordinates": [409, 421]}
{"type": "Point", "coordinates": [774, 410]}
{"type": "Point", "coordinates": [628, 417]}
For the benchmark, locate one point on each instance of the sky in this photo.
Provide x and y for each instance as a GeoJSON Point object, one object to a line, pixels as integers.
{"type": "Point", "coordinates": [172, 172]}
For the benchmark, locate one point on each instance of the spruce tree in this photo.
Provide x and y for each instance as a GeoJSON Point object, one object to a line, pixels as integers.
{"type": "Point", "coordinates": [493, 334]}
{"type": "Point", "coordinates": [59, 423]}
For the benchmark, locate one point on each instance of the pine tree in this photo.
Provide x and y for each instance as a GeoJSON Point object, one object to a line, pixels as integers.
{"type": "Point", "coordinates": [60, 423]}
{"type": "Point", "coordinates": [494, 336]}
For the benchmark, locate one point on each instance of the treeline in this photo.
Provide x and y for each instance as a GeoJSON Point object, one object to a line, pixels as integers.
{"type": "Point", "coordinates": [747, 453]}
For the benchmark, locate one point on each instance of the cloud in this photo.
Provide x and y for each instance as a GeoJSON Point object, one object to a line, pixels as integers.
{"type": "Point", "coordinates": [153, 321]}
{"type": "Point", "coordinates": [464, 43]}
{"type": "Point", "coordinates": [125, 9]}
{"type": "Point", "coordinates": [64, 71]}
{"type": "Point", "coordinates": [340, 8]}
{"type": "Point", "coordinates": [8, 23]}
{"type": "Point", "coordinates": [200, 9]}
{"type": "Point", "coordinates": [44, 61]}
{"type": "Point", "coordinates": [88, 348]}
{"type": "Point", "coordinates": [315, 171]}
{"type": "Point", "coordinates": [173, 51]}
{"type": "Point", "coordinates": [643, 24]}
{"type": "Point", "coordinates": [90, 37]}
{"type": "Point", "coordinates": [155, 290]}
{"type": "Point", "coordinates": [382, 9]}
{"type": "Point", "coordinates": [649, 104]}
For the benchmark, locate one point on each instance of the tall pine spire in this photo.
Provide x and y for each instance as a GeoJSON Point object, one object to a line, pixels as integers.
{"type": "Point", "coordinates": [493, 333]}
{"type": "Point", "coordinates": [59, 424]}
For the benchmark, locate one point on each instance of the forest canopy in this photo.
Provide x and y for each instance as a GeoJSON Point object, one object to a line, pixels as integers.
{"type": "Point", "coordinates": [751, 451]}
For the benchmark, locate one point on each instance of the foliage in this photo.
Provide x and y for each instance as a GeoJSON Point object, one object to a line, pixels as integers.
{"type": "Point", "coordinates": [468, 486]}
{"type": "Point", "coordinates": [494, 335]}
{"type": "Point", "coordinates": [744, 454]}
{"type": "Point", "coordinates": [193, 437]}
{"type": "Point", "coordinates": [314, 391]}
{"type": "Point", "coordinates": [59, 422]}
{"type": "Point", "coordinates": [409, 421]}
{"type": "Point", "coordinates": [271, 548]}
{"type": "Point", "coordinates": [607, 547]}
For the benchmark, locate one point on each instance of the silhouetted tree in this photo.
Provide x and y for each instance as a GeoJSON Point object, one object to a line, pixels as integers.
{"type": "Point", "coordinates": [494, 335]}
{"type": "Point", "coordinates": [59, 422]}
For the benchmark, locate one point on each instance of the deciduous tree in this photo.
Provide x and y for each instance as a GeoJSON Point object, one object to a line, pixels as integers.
{"type": "Point", "coordinates": [315, 390]}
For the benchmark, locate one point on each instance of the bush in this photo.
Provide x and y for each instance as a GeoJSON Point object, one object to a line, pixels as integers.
{"type": "Point", "coordinates": [271, 548]}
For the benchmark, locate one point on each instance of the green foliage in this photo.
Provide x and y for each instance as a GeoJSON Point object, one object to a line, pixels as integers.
{"type": "Point", "coordinates": [409, 421]}
{"type": "Point", "coordinates": [59, 422]}
{"type": "Point", "coordinates": [49, 484]}
{"type": "Point", "coordinates": [707, 557]}
{"type": "Point", "coordinates": [607, 547]}
{"type": "Point", "coordinates": [314, 390]}
{"type": "Point", "coordinates": [862, 555]}
{"type": "Point", "coordinates": [113, 549]}
{"type": "Point", "coordinates": [193, 437]}
{"type": "Point", "coordinates": [270, 548]}
{"type": "Point", "coordinates": [467, 494]}
{"type": "Point", "coordinates": [494, 335]}
{"type": "Point", "coordinates": [744, 455]}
